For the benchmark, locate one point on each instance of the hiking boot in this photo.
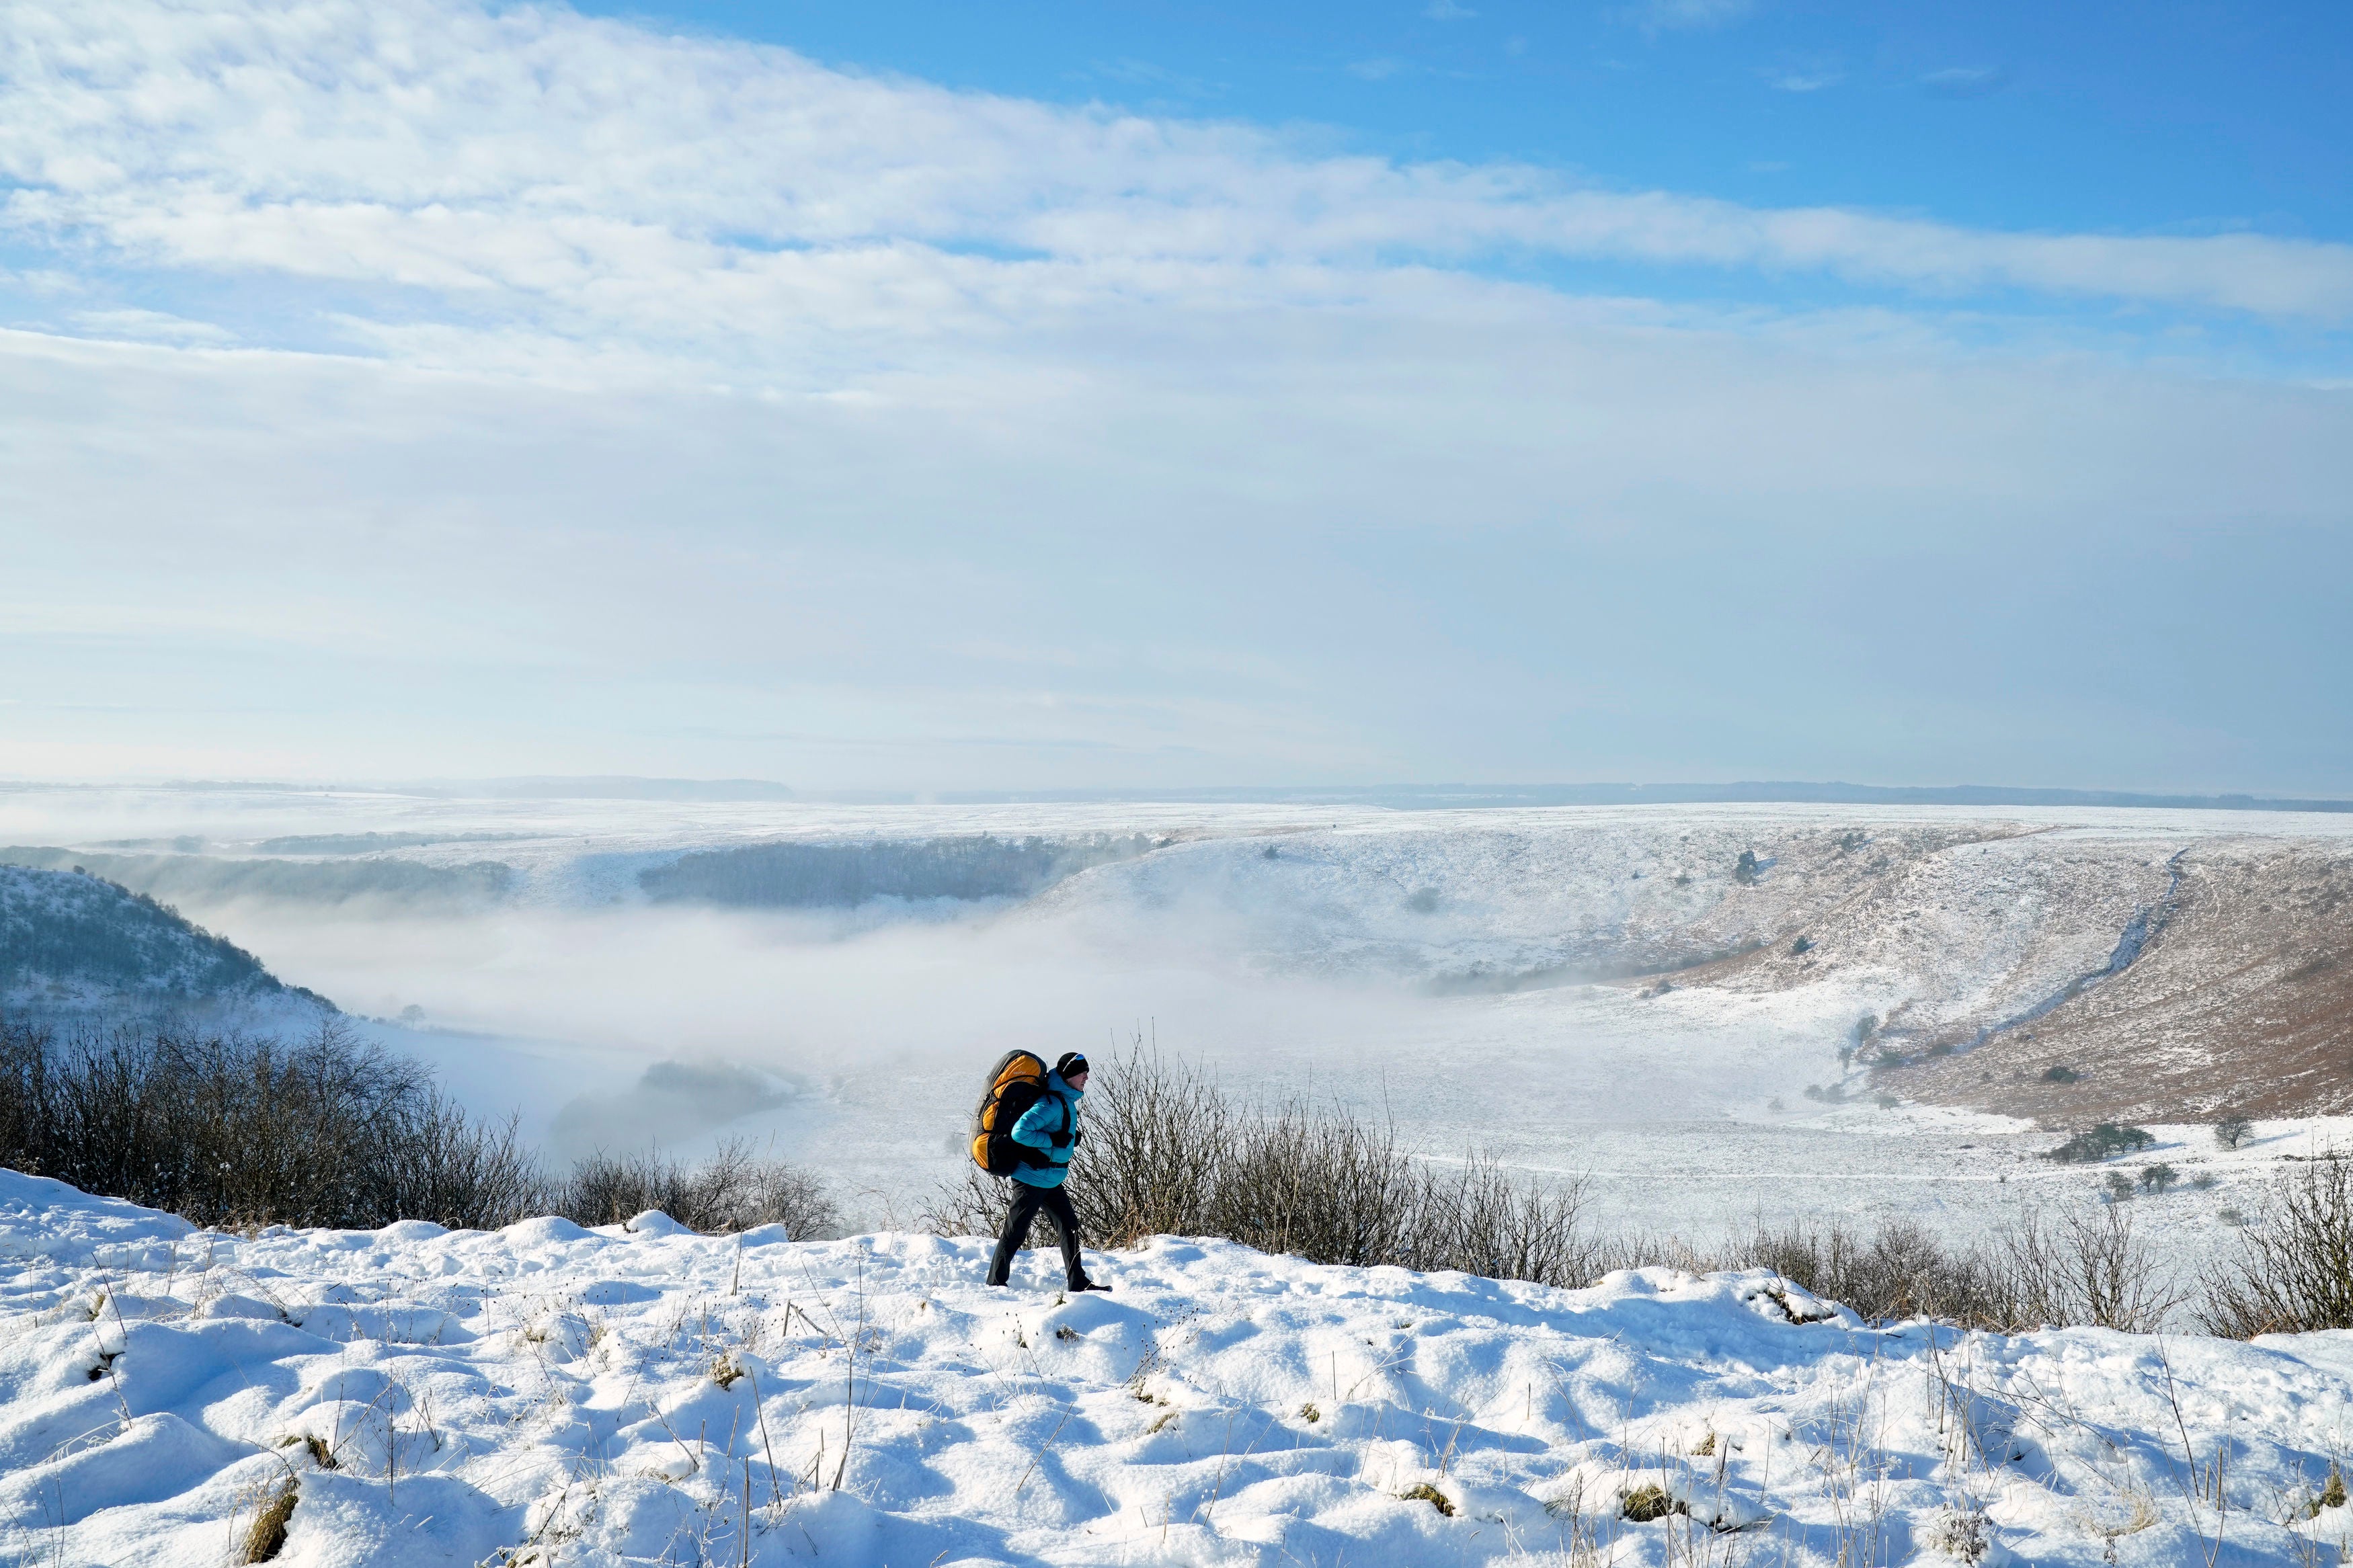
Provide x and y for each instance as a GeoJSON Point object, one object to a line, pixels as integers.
{"type": "Point", "coordinates": [1087, 1285]}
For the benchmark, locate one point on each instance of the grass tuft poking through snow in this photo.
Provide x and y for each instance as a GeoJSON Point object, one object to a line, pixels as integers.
{"type": "Point", "coordinates": [266, 1537]}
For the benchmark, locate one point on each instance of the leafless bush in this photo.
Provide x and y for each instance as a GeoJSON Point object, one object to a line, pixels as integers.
{"type": "Point", "coordinates": [733, 1190]}
{"type": "Point", "coordinates": [1900, 1270]}
{"type": "Point", "coordinates": [1166, 1150]}
{"type": "Point", "coordinates": [331, 1130]}
{"type": "Point", "coordinates": [1492, 1223]}
{"type": "Point", "coordinates": [2294, 1272]}
{"type": "Point", "coordinates": [429, 1160]}
{"type": "Point", "coordinates": [2086, 1267]}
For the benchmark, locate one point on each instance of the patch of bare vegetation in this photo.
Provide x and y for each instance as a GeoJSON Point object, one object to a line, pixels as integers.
{"type": "Point", "coordinates": [734, 1189]}
{"type": "Point", "coordinates": [333, 1130]}
{"type": "Point", "coordinates": [2293, 1272]}
{"type": "Point", "coordinates": [1169, 1152]}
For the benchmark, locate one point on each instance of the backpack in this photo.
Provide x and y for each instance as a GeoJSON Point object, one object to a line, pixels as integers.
{"type": "Point", "coordinates": [1016, 1083]}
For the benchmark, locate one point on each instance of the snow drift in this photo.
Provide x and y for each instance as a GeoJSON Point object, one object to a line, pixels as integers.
{"type": "Point", "coordinates": [547, 1394]}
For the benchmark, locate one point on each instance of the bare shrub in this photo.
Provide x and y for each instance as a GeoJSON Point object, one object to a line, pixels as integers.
{"type": "Point", "coordinates": [2088, 1267]}
{"type": "Point", "coordinates": [331, 1130]}
{"type": "Point", "coordinates": [1168, 1151]}
{"type": "Point", "coordinates": [1901, 1270]}
{"type": "Point", "coordinates": [1506, 1227]}
{"type": "Point", "coordinates": [2294, 1271]}
{"type": "Point", "coordinates": [2232, 1130]}
{"type": "Point", "coordinates": [1159, 1135]}
{"type": "Point", "coordinates": [734, 1189]}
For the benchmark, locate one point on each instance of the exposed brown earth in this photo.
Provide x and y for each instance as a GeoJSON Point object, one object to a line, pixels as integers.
{"type": "Point", "coordinates": [2243, 1001]}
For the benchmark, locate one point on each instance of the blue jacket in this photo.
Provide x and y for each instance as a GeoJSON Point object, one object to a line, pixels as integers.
{"type": "Point", "coordinates": [1057, 1110]}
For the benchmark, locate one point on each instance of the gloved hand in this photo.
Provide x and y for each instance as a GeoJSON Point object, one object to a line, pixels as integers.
{"type": "Point", "coordinates": [1062, 1139]}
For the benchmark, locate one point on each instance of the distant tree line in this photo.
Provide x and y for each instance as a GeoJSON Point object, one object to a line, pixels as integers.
{"type": "Point", "coordinates": [300, 881]}
{"type": "Point", "coordinates": [842, 875]}
{"type": "Point", "coordinates": [74, 927]}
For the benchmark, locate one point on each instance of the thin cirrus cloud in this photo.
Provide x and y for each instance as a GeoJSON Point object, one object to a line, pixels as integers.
{"type": "Point", "coordinates": [1966, 82]}
{"type": "Point", "coordinates": [1684, 15]}
{"type": "Point", "coordinates": [1804, 78]}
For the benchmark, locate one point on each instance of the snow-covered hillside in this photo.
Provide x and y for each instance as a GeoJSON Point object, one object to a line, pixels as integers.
{"type": "Point", "coordinates": [73, 944]}
{"type": "Point", "coordinates": [546, 1395]}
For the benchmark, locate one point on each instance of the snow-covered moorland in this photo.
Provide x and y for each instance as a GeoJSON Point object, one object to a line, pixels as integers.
{"type": "Point", "coordinates": [550, 1394]}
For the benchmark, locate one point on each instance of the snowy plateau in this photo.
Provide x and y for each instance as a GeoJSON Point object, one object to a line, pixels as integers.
{"type": "Point", "coordinates": [547, 1394]}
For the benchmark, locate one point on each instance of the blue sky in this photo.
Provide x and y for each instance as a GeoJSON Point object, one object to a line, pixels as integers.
{"type": "Point", "coordinates": [933, 396]}
{"type": "Point", "coordinates": [2151, 117]}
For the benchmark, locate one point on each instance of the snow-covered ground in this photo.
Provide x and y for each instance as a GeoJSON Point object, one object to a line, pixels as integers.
{"type": "Point", "coordinates": [550, 1396]}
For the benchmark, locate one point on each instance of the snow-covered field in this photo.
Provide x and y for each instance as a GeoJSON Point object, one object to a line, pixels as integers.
{"type": "Point", "coordinates": [551, 1395]}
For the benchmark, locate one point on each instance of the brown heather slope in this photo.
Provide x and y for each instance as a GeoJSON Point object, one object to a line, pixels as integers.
{"type": "Point", "coordinates": [1992, 951]}
{"type": "Point", "coordinates": [2243, 1000]}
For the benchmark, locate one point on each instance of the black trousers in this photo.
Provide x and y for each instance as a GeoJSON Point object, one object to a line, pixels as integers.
{"type": "Point", "coordinates": [1027, 1201]}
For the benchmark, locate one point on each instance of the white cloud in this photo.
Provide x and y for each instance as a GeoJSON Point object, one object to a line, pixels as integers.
{"type": "Point", "coordinates": [675, 406]}
{"type": "Point", "coordinates": [156, 326]}
{"type": "Point", "coordinates": [1805, 78]}
{"type": "Point", "coordinates": [1966, 82]}
{"type": "Point", "coordinates": [1448, 11]}
{"type": "Point", "coordinates": [598, 181]}
{"type": "Point", "coordinates": [1680, 15]}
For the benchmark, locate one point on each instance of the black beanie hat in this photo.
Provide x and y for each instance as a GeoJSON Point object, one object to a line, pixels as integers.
{"type": "Point", "coordinates": [1071, 1065]}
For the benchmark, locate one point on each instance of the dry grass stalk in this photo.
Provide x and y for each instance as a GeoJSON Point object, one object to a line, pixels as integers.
{"type": "Point", "coordinates": [266, 1537]}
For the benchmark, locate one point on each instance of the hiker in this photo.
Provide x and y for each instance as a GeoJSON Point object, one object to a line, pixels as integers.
{"type": "Point", "coordinates": [1046, 1133]}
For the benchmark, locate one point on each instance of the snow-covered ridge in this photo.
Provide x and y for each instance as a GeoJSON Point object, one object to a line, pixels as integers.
{"type": "Point", "coordinates": [549, 1394]}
